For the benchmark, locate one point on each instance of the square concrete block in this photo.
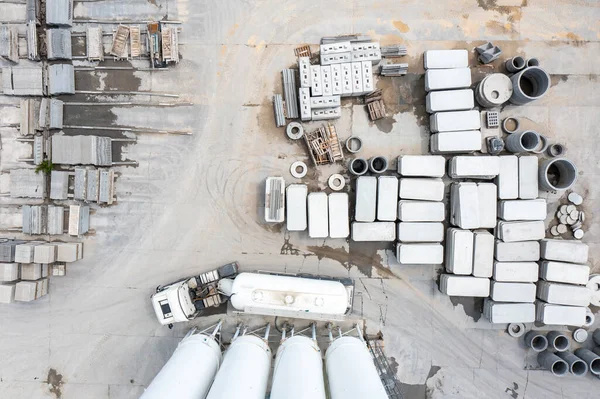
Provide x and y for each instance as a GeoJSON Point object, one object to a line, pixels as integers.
{"type": "Point", "coordinates": [563, 294]}
{"type": "Point", "coordinates": [420, 254]}
{"type": "Point", "coordinates": [422, 165]}
{"type": "Point", "coordinates": [31, 271]}
{"type": "Point", "coordinates": [513, 292]}
{"type": "Point", "coordinates": [422, 232]}
{"type": "Point", "coordinates": [70, 251]}
{"type": "Point", "coordinates": [453, 285]}
{"type": "Point", "coordinates": [483, 254]}
{"type": "Point", "coordinates": [387, 197]}
{"type": "Point", "coordinates": [7, 293]}
{"type": "Point", "coordinates": [296, 214]}
{"type": "Point", "coordinates": [304, 70]}
{"type": "Point", "coordinates": [564, 251]}
{"type": "Point", "coordinates": [502, 313]}
{"type": "Point", "coordinates": [525, 272]}
{"type": "Point", "coordinates": [560, 315]}
{"type": "Point", "coordinates": [326, 80]}
{"type": "Point", "coordinates": [339, 219]}
{"type": "Point", "coordinates": [24, 253]}
{"type": "Point", "coordinates": [521, 231]}
{"type": "Point", "coordinates": [9, 272]}
{"type": "Point", "coordinates": [508, 177]}
{"type": "Point", "coordinates": [520, 251]}
{"type": "Point", "coordinates": [316, 81]}
{"type": "Point", "coordinates": [445, 79]}
{"type": "Point", "coordinates": [25, 291]}
{"type": "Point", "coordinates": [449, 100]}
{"type": "Point", "coordinates": [455, 121]}
{"type": "Point", "coordinates": [318, 215]}
{"type": "Point", "coordinates": [376, 231]}
{"type": "Point", "coordinates": [366, 199]}
{"type": "Point", "coordinates": [459, 251]}
{"type": "Point", "coordinates": [421, 211]}
{"type": "Point", "coordinates": [562, 272]}
{"type": "Point", "coordinates": [513, 210]}
{"type": "Point", "coordinates": [528, 177]}
{"type": "Point", "coordinates": [422, 189]}
{"type": "Point", "coordinates": [440, 59]}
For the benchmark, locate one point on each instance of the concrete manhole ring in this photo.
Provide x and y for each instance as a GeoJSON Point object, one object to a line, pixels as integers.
{"type": "Point", "coordinates": [353, 144]}
{"type": "Point", "coordinates": [516, 329]}
{"type": "Point", "coordinates": [507, 122]}
{"type": "Point", "coordinates": [294, 130]}
{"type": "Point", "coordinates": [336, 182]}
{"type": "Point", "coordinates": [298, 169]}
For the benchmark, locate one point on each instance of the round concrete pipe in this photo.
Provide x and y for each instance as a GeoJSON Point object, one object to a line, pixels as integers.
{"type": "Point", "coordinates": [358, 166]}
{"type": "Point", "coordinates": [558, 341]}
{"type": "Point", "coordinates": [592, 359]}
{"type": "Point", "coordinates": [529, 84]}
{"type": "Point", "coordinates": [596, 337]}
{"type": "Point", "coordinates": [556, 150]}
{"type": "Point", "coordinates": [533, 62]}
{"type": "Point", "coordinates": [576, 366]}
{"type": "Point", "coordinates": [557, 174]}
{"type": "Point", "coordinates": [378, 164]}
{"type": "Point", "coordinates": [536, 341]}
{"type": "Point", "coordinates": [515, 64]}
{"type": "Point", "coordinates": [543, 146]}
{"type": "Point", "coordinates": [523, 142]}
{"type": "Point", "coordinates": [555, 364]}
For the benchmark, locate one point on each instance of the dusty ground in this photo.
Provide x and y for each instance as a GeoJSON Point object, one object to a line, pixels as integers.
{"type": "Point", "coordinates": [195, 202]}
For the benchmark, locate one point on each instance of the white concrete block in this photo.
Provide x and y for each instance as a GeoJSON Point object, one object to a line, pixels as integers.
{"type": "Point", "coordinates": [420, 254]}
{"type": "Point", "coordinates": [464, 201]}
{"type": "Point", "coordinates": [563, 294]}
{"type": "Point", "coordinates": [336, 79]}
{"type": "Point", "coordinates": [305, 108]}
{"type": "Point", "coordinates": [502, 313]}
{"type": "Point", "coordinates": [561, 272]}
{"type": "Point", "coordinates": [366, 199]}
{"type": "Point", "coordinates": [367, 75]}
{"type": "Point", "coordinates": [69, 252]}
{"type": "Point", "coordinates": [24, 252]}
{"type": "Point", "coordinates": [521, 251]}
{"type": "Point", "coordinates": [464, 286]}
{"type": "Point", "coordinates": [422, 232]}
{"type": "Point", "coordinates": [25, 291]}
{"type": "Point", "coordinates": [339, 219]}
{"type": "Point", "coordinates": [318, 215]}
{"type": "Point", "coordinates": [421, 211]}
{"type": "Point", "coordinates": [440, 59]}
{"type": "Point", "coordinates": [525, 272]}
{"type": "Point", "coordinates": [422, 189]}
{"type": "Point", "coordinates": [337, 47]}
{"type": "Point", "coordinates": [422, 165]}
{"type": "Point", "coordinates": [455, 142]}
{"type": "Point", "coordinates": [445, 79]}
{"type": "Point", "coordinates": [560, 315]}
{"type": "Point", "coordinates": [487, 194]}
{"type": "Point", "coordinates": [316, 80]}
{"type": "Point", "coordinates": [337, 58]}
{"type": "Point", "coordinates": [31, 271]}
{"type": "Point", "coordinates": [481, 167]}
{"type": "Point", "coordinates": [326, 113]}
{"type": "Point", "coordinates": [10, 271]}
{"type": "Point", "coordinates": [459, 251]}
{"type": "Point", "coordinates": [512, 292]}
{"type": "Point", "coordinates": [357, 79]}
{"type": "Point", "coordinates": [373, 56]}
{"type": "Point", "coordinates": [304, 70]}
{"type": "Point", "coordinates": [513, 210]}
{"type": "Point", "coordinates": [7, 293]}
{"type": "Point", "coordinates": [508, 177]}
{"type": "Point", "coordinates": [326, 80]}
{"type": "Point", "coordinates": [455, 121]}
{"type": "Point", "coordinates": [483, 254]}
{"type": "Point", "coordinates": [387, 197]}
{"type": "Point", "coordinates": [376, 231]}
{"type": "Point", "coordinates": [565, 251]}
{"type": "Point", "coordinates": [296, 214]}
{"type": "Point", "coordinates": [346, 79]}
{"type": "Point", "coordinates": [365, 46]}
{"type": "Point", "coordinates": [521, 231]}
{"type": "Point", "coordinates": [44, 253]}
{"type": "Point", "coordinates": [528, 177]}
{"type": "Point", "coordinates": [449, 100]}
{"type": "Point", "coordinates": [325, 101]}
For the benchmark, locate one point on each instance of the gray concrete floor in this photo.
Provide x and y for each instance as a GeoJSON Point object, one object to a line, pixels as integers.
{"type": "Point", "coordinates": [194, 203]}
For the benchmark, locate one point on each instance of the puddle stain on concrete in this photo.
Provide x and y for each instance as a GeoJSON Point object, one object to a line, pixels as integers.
{"type": "Point", "coordinates": [417, 391]}
{"type": "Point", "coordinates": [401, 26]}
{"type": "Point", "coordinates": [473, 307]}
{"type": "Point", "coordinates": [55, 381]}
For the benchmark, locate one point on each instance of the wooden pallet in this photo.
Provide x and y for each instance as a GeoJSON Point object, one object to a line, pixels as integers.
{"type": "Point", "coordinates": [376, 110]}
{"type": "Point", "coordinates": [303, 51]}
{"type": "Point", "coordinates": [119, 45]}
{"type": "Point", "coordinates": [134, 41]}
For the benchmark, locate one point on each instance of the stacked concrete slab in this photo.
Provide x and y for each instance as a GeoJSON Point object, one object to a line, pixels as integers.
{"type": "Point", "coordinates": [473, 205]}
{"type": "Point", "coordinates": [328, 215]}
{"type": "Point", "coordinates": [375, 209]}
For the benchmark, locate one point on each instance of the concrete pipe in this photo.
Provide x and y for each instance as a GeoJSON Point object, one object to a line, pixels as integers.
{"type": "Point", "coordinates": [536, 341]}
{"type": "Point", "coordinates": [533, 62]}
{"type": "Point", "coordinates": [510, 125]}
{"type": "Point", "coordinates": [378, 164]}
{"type": "Point", "coordinates": [515, 64]}
{"type": "Point", "coordinates": [555, 364]}
{"type": "Point", "coordinates": [556, 150]}
{"type": "Point", "coordinates": [557, 174]}
{"type": "Point", "coordinates": [592, 359]}
{"type": "Point", "coordinates": [494, 90]}
{"type": "Point", "coordinates": [529, 84]}
{"type": "Point", "coordinates": [576, 366]}
{"type": "Point", "coordinates": [580, 335]}
{"type": "Point", "coordinates": [558, 341]}
{"type": "Point", "coordinates": [596, 336]}
{"type": "Point", "coordinates": [543, 146]}
{"type": "Point", "coordinates": [523, 142]}
{"type": "Point", "coordinates": [358, 166]}
{"type": "Point", "coordinates": [353, 144]}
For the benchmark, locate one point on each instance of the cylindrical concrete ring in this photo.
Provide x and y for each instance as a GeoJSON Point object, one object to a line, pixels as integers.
{"type": "Point", "coordinates": [556, 150]}
{"type": "Point", "coordinates": [557, 174]}
{"type": "Point", "coordinates": [358, 166]}
{"type": "Point", "coordinates": [493, 90]}
{"type": "Point", "coordinates": [378, 164]}
{"type": "Point", "coordinates": [529, 84]}
{"type": "Point", "coordinates": [589, 318]}
{"type": "Point", "coordinates": [580, 335]}
{"type": "Point", "coordinates": [510, 121]}
{"type": "Point", "coordinates": [516, 329]}
{"type": "Point", "coordinates": [298, 169]}
{"type": "Point", "coordinates": [576, 366]}
{"type": "Point", "coordinates": [294, 130]}
{"type": "Point", "coordinates": [353, 144]}
{"type": "Point", "coordinates": [515, 64]}
{"type": "Point", "coordinates": [543, 146]}
{"type": "Point", "coordinates": [533, 62]}
{"type": "Point", "coordinates": [523, 142]}
{"type": "Point", "coordinates": [592, 359]}
{"type": "Point", "coordinates": [555, 364]}
{"type": "Point", "coordinates": [336, 182]}
{"type": "Point", "coordinates": [536, 341]}
{"type": "Point", "coordinates": [558, 341]}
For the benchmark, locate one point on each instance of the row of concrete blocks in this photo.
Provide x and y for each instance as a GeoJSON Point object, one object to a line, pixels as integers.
{"type": "Point", "coordinates": [347, 79]}
{"type": "Point", "coordinates": [344, 52]}
{"type": "Point", "coordinates": [11, 272]}
{"type": "Point", "coordinates": [23, 291]}
{"type": "Point", "coordinates": [41, 252]}
{"type": "Point", "coordinates": [318, 108]}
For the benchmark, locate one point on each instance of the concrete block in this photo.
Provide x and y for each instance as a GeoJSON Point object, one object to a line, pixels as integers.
{"type": "Point", "coordinates": [459, 251]}
{"type": "Point", "coordinates": [483, 254]}
{"type": "Point", "coordinates": [7, 293]}
{"type": "Point", "coordinates": [387, 197]}
{"type": "Point", "coordinates": [441, 59]}
{"type": "Point", "coordinates": [455, 142]}
{"type": "Point", "coordinates": [25, 291]}
{"type": "Point", "coordinates": [346, 79]}
{"type": "Point", "coordinates": [357, 79]}
{"type": "Point", "coordinates": [9, 272]}
{"type": "Point", "coordinates": [561, 272]}
{"type": "Point", "coordinates": [445, 79]}
{"type": "Point", "coordinates": [366, 199]}
{"type": "Point", "coordinates": [528, 177]}
{"type": "Point", "coordinates": [376, 231]}
{"type": "Point", "coordinates": [325, 101]}
{"type": "Point", "coordinates": [449, 100]}
{"type": "Point", "coordinates": [521, 231]}
{"type": "Point", "coordinates": [422, 232]}
{"type": "Point", "coordinates": [421, 211]}
{"type": "Point", "coordinates": [564, 251]}
{"type": "Point", "coordinates": [508, 177]}
{"type": "Point", "coordinates": [455, 121]}
{"type": "Point", "coordinates": [514, 210]}
{"type": "Point", "coordinates": [316, 80]}
{"type": "Point", "coordinates": [337, 58]}
{"type": "Point", "coordinates": [487, 195]}
{"type": "Point", "coordinates": [422, 189]}
{"type": "Point", "coordinates": [71, 251]}
{"type": "Point", "coordinates": [367, 77]}
{"type": "Point", "coordinates": [336, 47]}
{"type": "Point", "coordinates": [420, 254]}
{"type": "Point", "coordinates": [482, 167]}
{"type": "Point", "coordinates": [305, 108]}
{"type": "Point", "coordinates": [464, 201]}
{"type": "Point", "coordinates": [563, 294]}
{"type": "Point", "coordinates": [318, 215]}
{"type": "Point", "coordinates": [296, 213]}
{"type": "Point", "coordinates": [339, 219]}
{"type": "Point", "coordinates": [464, 286]}
{"type": "Point", "coordinates": [326, 80]}
{"type": "Point", "coordinates": [31, 271]}
{"type": "Point", "coordinates": [44, 270]}
{"type": "Point", "coordinates": [513, 292]}
{"type": "Point", "coordinates": [24, 252]}
{"type": "Point", "coordinates": [326, 113]}
{"type": "Point", "coordinates": [365, 46]}
{"type": "Point", "coordinates": [336, 79]}
{"type": "Point", "coordinates": [422, 165]}
{"type": "Point", "coordinates": [502, 313]}
{"type": "Point", "coordinates": [304, 70]}
{"type": "Point", "coordinates": [551, 314]}
{"type": "Point", "coordinates": [521, 251]}
{"type": "Point", "coordinates": [373, 56]}
{"type": "Point", "coordinates": [525, 272]}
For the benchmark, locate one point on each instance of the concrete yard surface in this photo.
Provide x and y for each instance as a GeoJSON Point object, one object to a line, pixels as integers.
{"type": "Point", "coordinates": [196, 202]}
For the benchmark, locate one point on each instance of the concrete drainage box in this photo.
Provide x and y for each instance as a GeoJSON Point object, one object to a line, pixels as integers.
{"type": "Point", "coordinates": [522, 251]}
{"type": "Point", "coordinates": [514, 210]}
{"type": "Point", "coordinates": [528, 177]}
{"type": "Point", "coordinates": [512, 292]}
{"type": "Point", "coordinates": [455, 142]}
{"type": "Point", "coordinates": [563, 294]}
{"type": "Point", "coordinates": [449, 100]}
{"type": "Point", "coordinates": [508, 177]}
{"type": "Point", "coordinates": [561, 272]}
{"type": "Point", "coordinates": [422, 232]}
{"type": "Point", "coordinates": [551, 314]}
{"type": "Point", "coordinates": [422, 189]}
{"type": "Point", "coordinates": [497, 312]}
{"type": "Point", "coordinates": [455, 121]}
{"type": "Point", "coordinates": [521, 231]}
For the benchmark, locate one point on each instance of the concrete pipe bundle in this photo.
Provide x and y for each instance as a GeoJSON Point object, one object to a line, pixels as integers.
{"type": "Point", "coordinates": [494, 90]}
{"type": "Point", "coordinates": [577, 366]}
{"type": "Point", "coordinates": [555, 364]}
{"type": "Point", "coordinates": [557, 174]}
{"type": "Point", "coordinates": [523, 142]}
{"type": "Point", "coordinates": [529, 84]}
{"type": "Point", "coordinates": [592, 359]}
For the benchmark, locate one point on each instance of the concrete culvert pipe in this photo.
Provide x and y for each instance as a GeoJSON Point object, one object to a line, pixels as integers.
{"type": "Point", "coordinates": [378, 164]}
{"type": "Point", "coordinates": [592, 359]}
{"type": "Point", "coordinates": [358, 166]}
{"type": "Point", "coordinates": [536, 341]}
{"type": "Point", "coordinates": [553, 363]}
{"type": "Point", "coordinates": [533, 62]}
{"type": "Point", "coordinates": [558, 341]}
{"type": "Point", "coordinates": [515, 64]}
{"type": "Point", "coordinates": [576, 366]}
{"type": "Point", "coordinates": [523, 142]}
{"type": "Point", "coordinates": [529, 84]}
{"type": "Point", "coordinates": [556, 150]}
{"type": "Point", "coordinates": [557, 174]}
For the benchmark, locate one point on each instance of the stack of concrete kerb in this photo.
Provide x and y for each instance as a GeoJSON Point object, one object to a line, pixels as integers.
{"type": "Point", "coordinates": [529, 84]}
{"type": "Point", "coordinates": [494, 90]}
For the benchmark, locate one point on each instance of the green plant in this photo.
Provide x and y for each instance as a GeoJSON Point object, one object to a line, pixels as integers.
{"type": "Point", "coordinates": [46, 166]}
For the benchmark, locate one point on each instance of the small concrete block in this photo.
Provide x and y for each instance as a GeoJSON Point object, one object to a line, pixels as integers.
{"type": "Point", "coordinates": [514, 210]}
{"type": "Point", "coordinates": [336, 79]}
{"type": "Point", "coordinates": [513, 292]}
{"type": "Point", "coordinates": [296, 213]}
{"type": "Point", "coordinates": [441, 59]}
{"type": "Point", "coordinates": [421, 211]}
{"type": "Point", "coordinates": [304, 69]}
{"type": "Point", "coordinates": [455, 142]}
{"type": "Point", "coordinates": [422, 165]}
{"type": "Point", "coordinates": [336, 47]}
{"type": "Point", "coordinates": [502, 313]}
{"type": "Point", "coordinates": [357, 79]}
{"type": "Point", "coordinates": [445, 79]}
{"type": "Point", "coordinates": [521, 251]}
{"type": "Point", "coordinates": [31, 271]}
{"type": "Point", "coordinates": [366, 199]}
{"type": "Point", "coordinates": [387, 196]}
{"type": "Point", "coordinates": [9, 272]}
{"type": "Point", "coordinates": [455, 121]}
{"type": "Point", "coordinates": [422, 232]}
{"type": "Point", "coordinates": [339, 220]}
{"type": "Point", "coordinates": [508, 178]}
{"type": "Point", "coordinates": [560, 315]}
{"type": "Point", "coordinates": [483, 254]}
{"type": "Point", "coordinates": [459, 251]}
{"type": "Point", "coordinates": [563, 294]}
{"type": "Point", "coordinates": [7, 293]}
{"type": "Point", "coordinates": [449, 100]}
{"type": "Point", "coordinates": [464, 286]}
{"type": "Point", "coordinates": [422, 189]}
{"type": "Point", "coordinates": [420, 254]}
{"type": "Point", "coordinates": [561, 272]}
{"type": "Point", "coordinates": [528, 177]}
{"type": "Point", "coordinates": [326, 80]}
{"type": "Point", "coordinates": [316, 80]}
{"type": "Point", "coordinates": [377, 231]}
{"type": "Point", "coordinates": [367, 72]}
{"type": "Point", "coordinates": [521, 231]}
{"type": "Point", "coordinates": [564, 251]}
{"type": "Point", "coordinates": [325, 101]}
{"type": "Point", "coordinates": [525, 272]}
{"type": "Point", "coordinates": [318, 215]}
{"type": "Point", "coordinates": [346, 79]}
{"type": "Point", "coordinates": [483, 167]}
{"type": "Point", "coordinates": [487, 194]}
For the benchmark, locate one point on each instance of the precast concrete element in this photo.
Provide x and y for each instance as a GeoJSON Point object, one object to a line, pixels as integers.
{"type": "Point", "coordinates": [515, 64]}
{"type": "Point", "coordinates": [504, 312]}
{"type": "Point", "coordinates": [558, 341]}
{"type": "Point", "coordinates": [446, 59]}
{"type": "Point", "coordinates": [524, 272]}
{"type": "Point", "coordinates": [278, 109]}
{"type": "Point", "coordinates": [294, 130]}
{"type": "Point", "coordinates": [353, 144]}
{"type": "Point", "coordinates": [510, 125]}
{"type": "Point", "coordinates": [387, 198]}
{"type": "Point", "coordinates": [468, 286]}
{"type": "Point", "coordinates": [564, 251]}
{"type": "Point", "coordinates": [420, 254]}
{"type": "Point", "coordinates": [298, 169]}
{"type": "Point", "coordinates": [536, 341]}
{"type": "Point", "coordinates": [488, 52]}
{"type": "Point", "coordinates": [577, 366]}
{"type": "Point", "coordinates": [589, 318]}
{"type": "Point", "coordinates": [508, 178]}
{"type": "Point", "coordinates": [376, 231]}
{"type": "Point", "coordinates": [528, 85]}
{"type": "Point", "coordinates": [358, 166]}
{"type": "Point", "coordinates": [580, 335]}
{"type": "Point", "coordinates": [563, 294]}
{"type": "Point", "coordinates": [553, 363]}
{"type": "Point", "coordinates": [296, 214]}
{"type": "Point", "coordinates": [528, 179]}
{"type": "Point", "coordinates": [366, 199]}
{"type": "Point", "coordinates": [533, 62]}
{"type": "Point", "coordinates": [446, 79]}
{"type": "Point", "coordinates": [525, 141]}
{"type": "Point", "coordinates": [556, 150]}
{"type": "Point", "coordinates": [591, 358]}
{"type": "Point", "coordinates": [543, 146]}
{"type": "Point", "coordinates": [557, 174]}
{"type": "Point", "coordinates": [596, 338]}
{"type": "Point", "coordinates": [455, 142]}
{"type": "Point", "coordinates": [494, 90]}
{"type": "Point", "coordinates": [378, 164]}
{"type": "Point", "coordinates": [336, 182]}
{"type": "Point", "coordinates": [516, 330]}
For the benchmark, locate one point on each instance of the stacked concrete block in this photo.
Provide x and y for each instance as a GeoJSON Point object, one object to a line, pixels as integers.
{"type": "Point", "coordinates": [73, 251]}
{"type": "Point", "coordinates": [9, 272]}
{"type": "Point", "coordinates": [562, 272]}
{"type": "Point", "coordinates": [421, 232]}
{"type": "Point", "coordinates": [521, 231]}
{"type": "Point", "coordinates": [516, 272]}
{"type": "Point", "coordinates": [7, 293]}
{"type": "Point", "coordinates": [468, 286]}
{"type": "Point", "coordinates": [316, 81]}
{"type": "Point", "coordinates": [24, 252]}
{"type": "Point", "coordinates": [563, 294]}
{"type": "Point", "coordinates": [79, 216]}
{"type": "Point", "coordinates": [339, 222]}
{"type": "Point", "coordinates": [422, 189]}
{"type": "Point", "coordinates": [31, 271]}
{"type": "Point", "coordinates": [367, 77]}
{"type": "Point", "coordinates": [498, 312]}
{"type": "Point", "coordinates": [375, 231]}
{"type": "Point", "coordinates": [455, 142]}
{"type": "Point", "coordinates": [304, 70]}
{"type": "Point", "coordinates": [464, 201]}
{"type": "Point", "coordinates": [318, 215]}
{"type": "Point", "coordinates": [482, 167]}
{"type": "Point", "coordinates": [551, 314]}
{"type": "Point", "coordinates": [522, 210]}
{"type": "Point", "coordinates": [445, 59]}
{"type": "Point", "coordinates": [449, 100]}
{"type": "Point", "coordinates": [528, 177]}
{"type": "Point", "coordinates": [346, 79]}
{"type": "Point", "coordinates": [366, 199]}
{"type": "Point", "coordinates": [520, 251]}
{"type": "Point", "coordinates": [508, 177]}
{"type": "Point", "coordinates": [421, 211]}
{"type": "Point", "coordinates": [421, 166]}
{"type": "Point", "coordinates": [296, 196]}
{"type": "Point", "coordinates": [455, 121]}
{"type": "Point", "coordinates": [45, 253]}
{"type": "Point", "coordinates": [447, 79]}
{"type": "Point", "coordinates": [336, 79]}
{"type": "Point", "coordinates": [483, 254]}
{"type": "Point", "coordinates": [366, 51]}
{"type": "Point", "coordinates": [513, 292]}
{"type": "Point", "coordinates": [419, 253]}
{"type": "Point", "coordinates": [564, 251]}
{"type": "Point", "coordinates": [459, 251]}
{"type": "Point", "coordinates": [357, 79]}
{"type": "Point", "coordinates": [305, 101]}
{"type": "Point", "coordinates": [326, 80]}
{"type": "Point", "coordinates": [387, 189]}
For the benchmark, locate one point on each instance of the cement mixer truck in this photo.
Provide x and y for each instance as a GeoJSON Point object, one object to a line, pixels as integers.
{"type": "Point", "coordinates": [262, 293]}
